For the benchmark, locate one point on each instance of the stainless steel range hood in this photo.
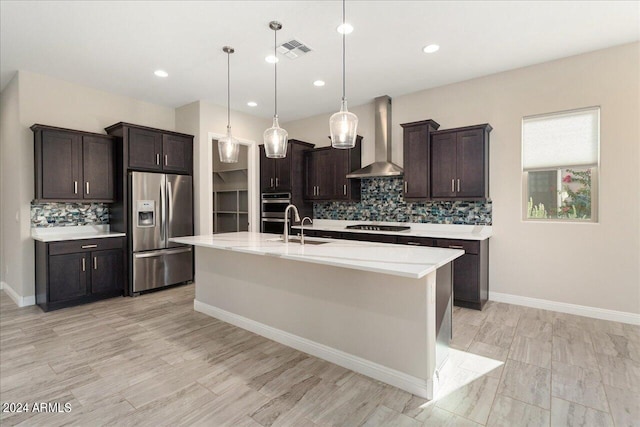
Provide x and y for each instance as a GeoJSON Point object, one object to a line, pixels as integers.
{"type": "Point", "coordinates": [383, 166]}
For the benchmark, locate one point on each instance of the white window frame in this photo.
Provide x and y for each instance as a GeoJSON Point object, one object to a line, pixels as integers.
{"type": "Point", "coordinates": [595, 179]}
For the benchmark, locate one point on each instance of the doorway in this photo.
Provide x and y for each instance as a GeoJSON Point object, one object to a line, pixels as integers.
{"type": "Point", "coordinates": [230, 183]}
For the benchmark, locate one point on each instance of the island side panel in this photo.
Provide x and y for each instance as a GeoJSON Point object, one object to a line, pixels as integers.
{"type": "Point", "coordinates": [380, 318]}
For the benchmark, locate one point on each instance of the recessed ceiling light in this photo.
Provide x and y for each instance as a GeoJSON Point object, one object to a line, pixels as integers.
{"type": "Point", "coordinates": [271, 59]}
{"type": "Point", "coordinates": [345, 28]}
{"type": "Point", "coordinates": [318, 83]}
{"type": "Point", "coordinates": [252, 104]}
{"type": "Point", "coordinates": [431, 48]}
{"type": "Point", "coordinates": [161, 73]}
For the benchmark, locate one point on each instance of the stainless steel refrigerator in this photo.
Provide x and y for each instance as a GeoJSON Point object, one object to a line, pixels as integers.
{"type": "Point", "coordinates": [161, 208]}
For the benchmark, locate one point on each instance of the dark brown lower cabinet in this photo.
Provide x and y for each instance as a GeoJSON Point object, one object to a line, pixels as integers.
{"type": "Point", "coordinates": [470, 271]}
{"type": "Point", "coordinates": [78, 271]}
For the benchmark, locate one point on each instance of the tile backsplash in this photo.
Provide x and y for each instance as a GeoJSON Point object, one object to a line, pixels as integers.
{"type": "Point", "coordinates": [382, 200]}
{"type": "Point", "coordinates": [57, 214]}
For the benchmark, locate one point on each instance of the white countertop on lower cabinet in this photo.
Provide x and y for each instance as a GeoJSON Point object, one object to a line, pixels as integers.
{"type": "Point", "coordinates": [60, 234]}
{"type": "Point", "coordinates": [399, 260]}
{"type": "Point", "coordinates": [441, 231]}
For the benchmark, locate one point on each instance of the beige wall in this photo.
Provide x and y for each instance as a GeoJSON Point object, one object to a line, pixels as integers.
{"type": "Point", "coordinates": [596, 265]}
{"type": "Point", "coordinates": [53, 102]}
{"type": "Point", "coordinates": [10, 149]}
{"type": "Point", "coordinates": [201, 118]}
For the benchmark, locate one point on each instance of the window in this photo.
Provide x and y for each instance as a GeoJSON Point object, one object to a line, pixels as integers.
{"type": "Point", "coordinates": [560, 155]}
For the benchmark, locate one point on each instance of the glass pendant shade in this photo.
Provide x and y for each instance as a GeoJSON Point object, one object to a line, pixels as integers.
{"type": "Point", "coordinates": [343, 127]}
{"type": "Point", "coordinates": [275, 141]}
{"type": "Point", "coordinates": [228, 148]}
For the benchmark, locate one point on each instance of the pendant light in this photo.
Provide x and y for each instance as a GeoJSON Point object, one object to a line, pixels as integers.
{"type": "Point", "coordinates": [275, 138]}
{"type": "Point", "coordinates": [343, 125]}
{"type": "Point", "coordinates": [228, 146]}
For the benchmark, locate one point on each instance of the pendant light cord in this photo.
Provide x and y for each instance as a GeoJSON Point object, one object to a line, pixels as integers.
{"type": "Point", "coordinates": [228, 91]}
{"type": "Point", "coordinates": [343, 52]}
{"type": "Point", "coordinates": [275, 68]}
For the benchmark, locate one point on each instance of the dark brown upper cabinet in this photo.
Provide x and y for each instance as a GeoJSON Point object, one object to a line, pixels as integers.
{"type": "Point", "coordinates": [72, 165]}
{"type": "Point", "coordinates": [284, 175]}
{"type": "Point", "coordinates": [326, 172]}
{"type": "Point", "coordinates": [154, 150]}
{"type": "Point", "coordinates": [459, 163]}
{"type": "Point", "coordinates": [145, 149]}
{"type": "Point", "coordinates": [416, 138]}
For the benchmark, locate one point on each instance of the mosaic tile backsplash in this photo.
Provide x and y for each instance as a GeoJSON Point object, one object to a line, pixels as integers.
{"type": "Point", "coordinates": [68, 214]}
{"type": "Point", "coordinates": [382, 200]}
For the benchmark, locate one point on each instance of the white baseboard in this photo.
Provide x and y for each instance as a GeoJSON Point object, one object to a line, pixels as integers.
{"type": "Point", "coordinates": [17, 298]}
{"type": "Point", "coordinates": [420, 387]}
{"type": "Point", "coordinates": [563, 307]}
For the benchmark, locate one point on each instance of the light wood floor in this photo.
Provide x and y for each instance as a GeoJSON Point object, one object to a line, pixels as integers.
{"type": "Point", "coordinates": [153, 361]}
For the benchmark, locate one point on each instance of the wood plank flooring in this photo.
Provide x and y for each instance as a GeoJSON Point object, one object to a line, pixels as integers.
{"type": "Point", "coordinates": [152, 360]}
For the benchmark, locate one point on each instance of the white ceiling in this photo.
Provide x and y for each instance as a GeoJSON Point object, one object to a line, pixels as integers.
{"type": "Point", "coordinates": [115, 46]}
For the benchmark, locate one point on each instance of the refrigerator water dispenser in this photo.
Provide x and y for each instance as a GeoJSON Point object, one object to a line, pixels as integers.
{"type": "Point", "coordinates": [146, 210]}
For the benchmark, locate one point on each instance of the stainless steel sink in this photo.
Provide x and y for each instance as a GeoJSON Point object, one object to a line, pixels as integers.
{"type": "Point", "coordinates": [296, 240]}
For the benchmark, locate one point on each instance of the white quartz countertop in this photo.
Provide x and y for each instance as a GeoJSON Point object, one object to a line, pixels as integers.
{"type": "Point", "coordinates": [441, 231]}
{"type": "Point", "coordinates": [399, 260]}
{"type": "Point", "coordinates": [59, 234]}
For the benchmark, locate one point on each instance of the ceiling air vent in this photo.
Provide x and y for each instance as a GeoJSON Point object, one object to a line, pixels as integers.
{"type": "Point", "coordinates": [294, 49]}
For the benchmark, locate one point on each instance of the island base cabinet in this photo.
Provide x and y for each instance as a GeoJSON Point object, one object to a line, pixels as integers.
{"type": "Point", "coordinates": [74, 272]}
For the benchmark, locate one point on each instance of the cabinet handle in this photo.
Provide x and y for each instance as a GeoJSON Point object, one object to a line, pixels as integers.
{"type": "Point", "coordinates": [95, 263]}
{"type": "Point", "coordinates": [89, 246]}
{"type": "Point", "coordinates": [344, 189]}
{"type": "Point", "coordinates": [84, 264]}
{"type": "Point", "coordinates": [75, 187]}
{"type": "Point", "coordinates": [458, 185]}
{"type": "Point", "coordinates": [158, 159]}
{"type": "Point", "coordinates": [406, 186]}
{"type": "Point", "coordinates": [453, 188]}
{"type": "Point", "coordinates": [271, 182]}
{"type": "Point", "coordinates": [87, 185]}
{"type": "Point", "coordinates": [277, 182]}
{"type": "Point", "coordinates": [413, 243]}
{"type": "Point", "coordinates": [166, 159]}
{"type": "Point", "coordinates": [456, 247]}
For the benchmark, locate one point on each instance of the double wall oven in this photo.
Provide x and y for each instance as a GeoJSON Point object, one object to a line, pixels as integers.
{"type": "Point", "coordinates": [272, 212]}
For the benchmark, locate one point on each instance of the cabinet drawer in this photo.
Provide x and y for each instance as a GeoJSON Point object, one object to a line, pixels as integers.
{"type": "Point", "coordinates": [469, 246]}
{"type": "Point", "coordinates": [88, 245]}
{"type": "Point", "coordinates": [416, 241]}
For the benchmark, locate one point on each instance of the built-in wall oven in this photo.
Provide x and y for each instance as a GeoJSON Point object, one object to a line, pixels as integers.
{"type": "Point", "coordinates": [272, 213]}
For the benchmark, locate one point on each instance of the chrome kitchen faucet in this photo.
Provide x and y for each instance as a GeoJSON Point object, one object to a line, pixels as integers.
{"type": "Point", "coordinates": [285, 237]}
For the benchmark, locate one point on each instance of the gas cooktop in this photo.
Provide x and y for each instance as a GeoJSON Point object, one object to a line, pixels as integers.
{"type": "Point", "coordinates": [379, 227]}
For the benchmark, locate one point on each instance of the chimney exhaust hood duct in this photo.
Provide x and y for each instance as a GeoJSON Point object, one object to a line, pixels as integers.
{"type": "Point", "coordinates": [382, 165]}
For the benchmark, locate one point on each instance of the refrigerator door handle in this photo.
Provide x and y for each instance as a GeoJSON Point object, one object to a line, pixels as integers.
{"type": "Point", "coordinates": [161, 253]}
{"type": "Point", "coordinates": [163, 215]}
{"type": "Point", "coordinates": [169, 207]}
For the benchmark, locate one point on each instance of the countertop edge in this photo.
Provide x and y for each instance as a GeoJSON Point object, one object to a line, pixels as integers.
{"type": "Point", "coordinates": [62, 238]}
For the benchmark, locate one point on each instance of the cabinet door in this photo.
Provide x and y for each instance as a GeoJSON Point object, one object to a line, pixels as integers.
{"type": "Point", "coordinates": [107, 271]}
{"type": "Point", "coordinates": [325, 175]}
{"type": "Point", "coordinates": [68, 276]}
{"type": "Point", "coordinates": [177, 152]}
{"type": "Point", "coordinates": [341, 163]}
{"type": "Point", "coordinates": [283, 172]}
{"type": "Point", "coordinates": [310, 177]}
{"type": "Point", "coordinates": [97, 164]}
{"type": "Point", "coordinates": [61, 165]}
{"type": "Point", "coordinates": [416, 162]}
{"type": "Point", "coordinates": [267, 172]}
{"type": "Point", "coordinates": [443, 165]}
{"type": "Point", "coordinates": [470, 164]}
{"type": "Point", "coordinates": [466, 276]}
{"type": "Point", "coordinates": [145, 149]}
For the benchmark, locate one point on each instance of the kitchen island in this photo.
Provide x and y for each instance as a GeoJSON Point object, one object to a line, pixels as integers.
{"type": "Point", "coordinates": [379, 309]}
